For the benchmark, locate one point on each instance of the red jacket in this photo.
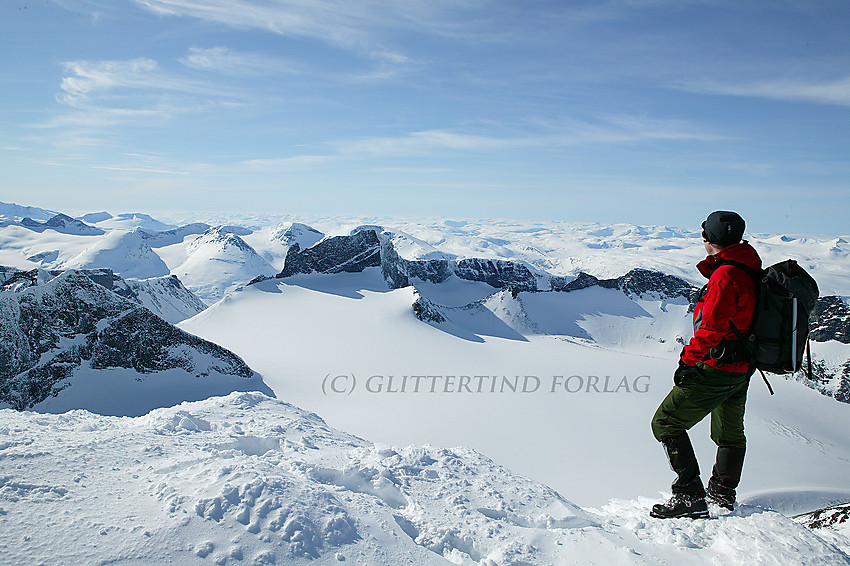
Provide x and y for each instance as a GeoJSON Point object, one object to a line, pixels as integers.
{"type": "Point", "coordinates": [729, 296]}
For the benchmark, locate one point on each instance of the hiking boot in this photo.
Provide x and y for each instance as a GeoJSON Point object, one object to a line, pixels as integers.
{"type": "Point", "coordinates": [681, 505]}
{"type": "Point", "coordinates": [683, 461]}
{"type": "Point", "coordinates": [725, 476]}
{"type": "Point", "coordinates": [718, 494]}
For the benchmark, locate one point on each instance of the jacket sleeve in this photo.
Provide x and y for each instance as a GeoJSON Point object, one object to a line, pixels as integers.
{"type": "Point", "coordinates": [719, 307]}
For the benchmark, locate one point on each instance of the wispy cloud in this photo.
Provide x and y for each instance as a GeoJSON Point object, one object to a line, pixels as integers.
{"type": "Point", "coordinates": [287, 162]}
{"type": "Point", "coordinates": [227, 61]}
{"type": "Point", "coordinates": [139, 169]}
{"type": "Point", "coordinates": [124, 86]}
{"type": "Point", "coordinates": [835, 92]}
{"type": "Point", "coordinates": [97, 96]}
{"type": "Point", "coordinates": [611, 130]}
{"type": "Point", "coordinates": [358, 25]}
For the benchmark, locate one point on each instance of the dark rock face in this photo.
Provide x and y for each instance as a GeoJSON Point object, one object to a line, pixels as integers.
{"type": "Point", "coordinates": [144, 342]}
{"type": "Point", "coordinates": [497, 273]}
{"type": "Point", "coordinates": [426, 311]}
{"type": "Point", "coordinates": [17, 280]}
{"type": "Point", "coordinates": [642, 281]}
{"type": "Point", "coordinates": [348, 254]}
{"type": "Point", "coordinates": [48, 330]}
{"type": "Point", "coordinates": [398, 271]}
{"type": "Point", "coordinates": [827, 517]}
{"type": "Point", "coordinates": [365, 248]}
{"type": "Point", "coordinates": [582, 281]}
{"type": "Point", "coordinates": [636, 282]}
{"type": "Point", "coordinates": [162, 295]}
{"type": "Point", "coordinates": [830, 320]}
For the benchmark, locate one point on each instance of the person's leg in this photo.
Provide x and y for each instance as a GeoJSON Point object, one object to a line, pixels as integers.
{"type": "Point", "coordinates": [727, 431]}
{"type": "Point", "coordinates": [686, 405]}
{"type": "Point", "coordinates": [676, 414]}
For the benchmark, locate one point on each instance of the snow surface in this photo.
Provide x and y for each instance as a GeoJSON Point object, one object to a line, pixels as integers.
{"type": "Point", "coordinates": [218, 262]}
{"type": "Point", "coordinates": [15, 213]}
{"type": "Point", "coordinates": [126, 253]}
{"type": "Point", "coordinates": [166, 297]}
{"type": "Point", "coordinates": [128, 221]}
{"type": "Point", "coordinates": [313, 335]}
{"type": "Point", "coordinates": [246, 479]}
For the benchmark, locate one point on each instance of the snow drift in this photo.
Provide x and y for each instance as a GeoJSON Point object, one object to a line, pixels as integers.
{"type": "Point", "coordinates": [245, 479]}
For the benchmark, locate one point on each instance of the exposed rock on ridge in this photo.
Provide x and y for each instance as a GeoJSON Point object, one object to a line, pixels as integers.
{"type": "Point", "coordinates": [830, 320]}
{"type": "Point", "coordinates": [165, 296]}
{"type": "Point", "coordinates": [49, 330]}
{"type": "Point", "coordinates": [366, 248]}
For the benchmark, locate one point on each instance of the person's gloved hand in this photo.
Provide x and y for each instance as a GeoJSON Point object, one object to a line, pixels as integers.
{"type": "Point", "coordinates": [683, 372]}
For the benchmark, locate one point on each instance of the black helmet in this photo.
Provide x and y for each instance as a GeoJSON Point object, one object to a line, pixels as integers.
{"type": "Point", "coordinates": [723, 228]}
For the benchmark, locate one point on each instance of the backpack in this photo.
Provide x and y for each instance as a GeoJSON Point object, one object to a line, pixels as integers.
{"type": "Point", "coordinates": [779, 334]}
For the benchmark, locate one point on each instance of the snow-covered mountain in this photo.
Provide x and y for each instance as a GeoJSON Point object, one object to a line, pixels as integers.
{"type": "Point", "coordinates": [166, 297]}
{"type": "Point", "coordinates": [126, 253]}
{"type": "Point", "coordinates": [11, 212]}
{"type": "Point", "coordinates": [246, 479]}
{"type": "Point", "coordinates": [60, 223]}
{"type": "Point", "coordinates": [127, 221]}
{"type": "Point", "coordinates": [219, 261]}
{"type": "Point", "coordinates": [69, 342]}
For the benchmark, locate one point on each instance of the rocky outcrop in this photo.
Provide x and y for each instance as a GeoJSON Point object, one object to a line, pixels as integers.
{"type": "Point", "coordinates": [829, 379]}
{"type": "Point", "coordinates": [165, 296]}
{"type": "Point", "coordinates": [49, 329]}
{"type": "Point", "coordinates": [348, 254]}
{"type": "Point", "coordinates": [637, 282]}
{"type": "Point", "coordinates": [564, 284]}
{"type": "Point", "coordinates": [500, 274]}
{"type": "Point", "coordinates": [830, 320]}
{"type": "Point", "coordinates": [426, 311]}
{"type": "Point", "coordinates": [367, 248]}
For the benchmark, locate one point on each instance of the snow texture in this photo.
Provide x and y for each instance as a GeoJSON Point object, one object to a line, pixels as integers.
{"type": "Point", "coordinates": [245, 479]}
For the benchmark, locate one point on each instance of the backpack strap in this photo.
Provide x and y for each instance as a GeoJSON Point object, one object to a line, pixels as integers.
{"type": "Point", "coordinates": [756, 274]}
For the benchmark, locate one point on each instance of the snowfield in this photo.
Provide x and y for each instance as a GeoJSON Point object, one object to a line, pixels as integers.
{"type": "Point", "coordinates": [247, 479]}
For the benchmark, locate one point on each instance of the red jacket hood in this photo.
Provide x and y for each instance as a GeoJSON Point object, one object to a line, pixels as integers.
{"type": "Point", "coordinates": [742, 253]}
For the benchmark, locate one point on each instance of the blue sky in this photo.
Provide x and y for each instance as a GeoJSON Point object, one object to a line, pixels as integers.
{"type": "Point", "coordinates": [643, 111]}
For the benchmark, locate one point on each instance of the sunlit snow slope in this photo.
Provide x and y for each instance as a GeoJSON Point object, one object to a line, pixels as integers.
{"type": "Point", "coordinates": [246, 479]}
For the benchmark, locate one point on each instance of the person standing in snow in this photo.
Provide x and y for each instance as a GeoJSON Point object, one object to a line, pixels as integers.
{"type": "Point", "coordinates": [706, 385]}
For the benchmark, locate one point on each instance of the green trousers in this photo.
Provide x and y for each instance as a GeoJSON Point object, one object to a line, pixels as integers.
{"type": "Point", "coordinates": [720, 393]}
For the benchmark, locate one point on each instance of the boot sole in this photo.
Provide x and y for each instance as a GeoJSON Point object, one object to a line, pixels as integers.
{"type": "Point", "coordinates": [692, 515]}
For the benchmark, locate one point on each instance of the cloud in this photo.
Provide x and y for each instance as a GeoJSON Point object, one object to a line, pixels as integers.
{"type": "Point", "coordinates": [87, 78]}
{"type": "Point", "coordinates": [99, 95]}
{"type": "Point", "coordinates": [139, 170]}
{"type": "Point", "coordinates": [287, 162]}
{"type": "Point", "coordinates": [358, 25]}
{"type": "Point", "coordinates": [834, 92]}
{"type": "Point", "coordinates": [610, 130]}
{"type": "Point", "coordinates": [228, 61]}
{"type": "Point", "coordinates": [425, 141]}
{"type": "Point", "coordinates": [120, 84]}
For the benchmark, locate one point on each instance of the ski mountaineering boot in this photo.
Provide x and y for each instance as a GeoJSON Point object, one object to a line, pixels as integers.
{"type": "Point", "coordinates": [725, 476]}
{"type": "Point", "coordinates": [688, 493]}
